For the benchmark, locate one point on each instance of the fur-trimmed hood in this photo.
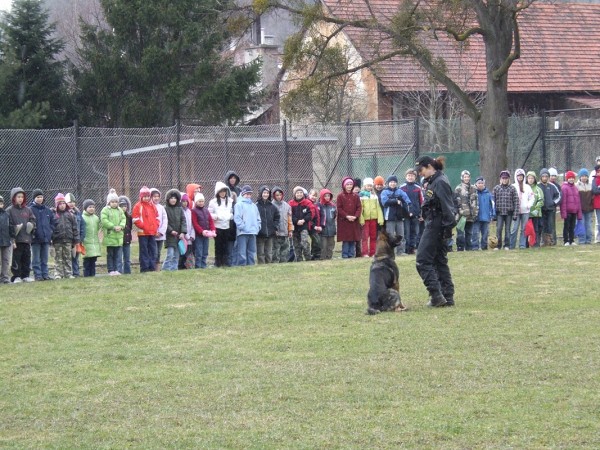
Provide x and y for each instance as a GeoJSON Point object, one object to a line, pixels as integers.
{"type": "Point", "coordinates": [173, 193]}
{"type": "Point", "coordinates": [15, 191]}
{"type": "Point", "coordinates": [124, 198]}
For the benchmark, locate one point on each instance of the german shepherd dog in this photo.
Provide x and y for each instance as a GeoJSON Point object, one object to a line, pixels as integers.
{"type": "Point", "coordinates": [384, 292]}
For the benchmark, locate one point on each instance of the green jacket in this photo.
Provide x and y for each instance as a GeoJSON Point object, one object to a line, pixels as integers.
{"type": "Point", "coordinates": [538, 202]}
{"type": "Point", "coordinates": [371, 208]}
{"type": "Point", "coordinates": [111, 218]}
{"type": "Point", "coordinates": [92, 240]}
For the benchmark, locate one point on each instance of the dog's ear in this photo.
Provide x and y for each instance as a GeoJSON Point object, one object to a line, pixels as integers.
{"type": "Point", "coordinates": [383, 235]}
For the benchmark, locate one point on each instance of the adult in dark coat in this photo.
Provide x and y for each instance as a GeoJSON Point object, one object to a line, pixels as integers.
{"type": "Point", "coordinates": [348, 214]}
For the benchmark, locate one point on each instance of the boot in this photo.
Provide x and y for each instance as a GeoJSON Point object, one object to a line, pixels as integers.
{"type": "Point", "coordinates": [157, 267]}
{"type": "Point", "coordinates": [547, 240]}
{"type": "Point", "coordinates": [449, 300]}
{"type": "Point", "coordinates": [436, 300]}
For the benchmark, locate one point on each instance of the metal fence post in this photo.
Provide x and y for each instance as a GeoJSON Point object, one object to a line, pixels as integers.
{"type": "Point", "coordinates": [78, 189]}
{"type": "Point", "coordinates": [417, 145]}
{"type": "Point", "coordinates": [286, 155]}
{"type": "Point", "coordinates": [543, 133]}
{"type": "Point", "coordinates": [177, 139]}
{"type": "Point", "coordinates": [122, 141]}
{"type": "Point", "coordinates": [348, 149]}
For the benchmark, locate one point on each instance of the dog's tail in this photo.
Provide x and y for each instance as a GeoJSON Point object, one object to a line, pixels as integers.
{"type": "Point", "coordinates": [372, 311]}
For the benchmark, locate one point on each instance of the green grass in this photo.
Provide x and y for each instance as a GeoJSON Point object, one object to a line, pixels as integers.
{"type": "Point", "coordinates": [283, 356]}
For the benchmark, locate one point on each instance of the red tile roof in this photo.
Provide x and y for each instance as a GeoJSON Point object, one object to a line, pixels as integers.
{"type": "Point", "coordinates": [560, 50]}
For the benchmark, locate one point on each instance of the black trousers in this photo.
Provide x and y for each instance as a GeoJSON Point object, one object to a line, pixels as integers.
{"type": "Point", "coordinates": [432, 261]}
{"type": "Point", "coordinates": [21, 261]}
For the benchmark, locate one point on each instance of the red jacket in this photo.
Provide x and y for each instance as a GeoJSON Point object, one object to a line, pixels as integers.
{"type": "Point", "coordinates": [145, 216]}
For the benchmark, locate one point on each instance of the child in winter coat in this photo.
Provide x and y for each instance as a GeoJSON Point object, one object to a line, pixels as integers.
{"type": "Point", "coordinates": [301, 217]}
{"type": "Point", "coordinates": [314, 229]}
{"type": "Point", "coordinates": [371, 216]}
{"type": "Point", "coordinates": [535, 212]}
{"type": "Point", "coordinates": [587, 204]}
{"type": "Point", "coordinates": [23, 220]}
{"type": "Point", "coordinates": [161, 233]}
{"type": "Point", "coordinates": [506, 199]}
{"type": "Point", "coordinates": [113, 224]}
{"type": "Point", "coordinates": [42, 237]}
{"type": "Point", "coordinates": [72, 208]}
{"type": "Point", "coordinates": [248, 222]}
{"type": "Point", "coordinates": [570, 208]}
{"type": "Point", "coordinates": [465, 197]}
{"type": "Point", "coordinates": [125, 265]}
{"type": "Point", "coordinates": [176, 229]}
{"type": "Point", "coordinates": [281, 242]}
{"type": "Point", "coordinates": [349, 210]}
{"type": "Point", "coordinates": [91, 241]}
{"type": "Point", "coordinates": [204, 228]}
{"type": "Point", "coordinates": [185, 261]}
{"type": "Point", "coordinates": [525, 202]}
{"type": "Point", "coordinates": [328, 214]}
{"type": "Point", "coordinates": [145, 218]}
{"type": "Point", "coordinates": [269, 222]}
{"type": "Point", "coordinates": [7, 236]}
{"type": "Point", "coordinates": [485, 213]}
{"type": "Point", "coordinates": [596, 194]}
{"type": "Point", "coordinates": [221, 210]}
{"type": "Point", "coordinates": [396, 206]}
{"type": "Point", "coordinates": [411, 223]}
{"type": "Point", "coordinates": [64, 238]}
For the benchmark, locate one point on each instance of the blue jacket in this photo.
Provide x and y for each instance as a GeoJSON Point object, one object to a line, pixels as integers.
{"type": "Point", "coordinates": [415, 194]}
{"type": "Point", "coordinates": [45, 223]}
{"type": "Point", "coordinates": [486, 206]}
{"type": "Point", "coordinates": [246, 217]}
{"type": "Point", "coordinates": [391, 209]}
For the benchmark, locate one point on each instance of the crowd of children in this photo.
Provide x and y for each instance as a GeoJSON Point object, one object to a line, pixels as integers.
{"type": "Point", "coordinates": [263, 229]}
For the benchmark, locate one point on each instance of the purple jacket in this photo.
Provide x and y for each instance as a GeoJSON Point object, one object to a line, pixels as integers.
{"type": "Point", "coordinates": [570, 202]}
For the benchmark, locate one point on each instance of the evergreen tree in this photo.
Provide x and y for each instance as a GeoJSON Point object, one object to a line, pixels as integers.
{"type": "Point", "coordinates": [158, 61]}
{"type": "Point", "coordinates": [32, 89]}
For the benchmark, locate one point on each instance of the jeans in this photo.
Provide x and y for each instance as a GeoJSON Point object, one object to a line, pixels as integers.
{"type": "Point", "coordinates": [172, 260]}
{"type": "Point", "coordinates": [348, 248]}
{"type": "Point", "coordinates": [200, 251]}
{"type": "Point", "coordinates": [124, 265]}
{"type": "Point", "coordinates": [597, 211]}
{"type": "Point", "coordinates": [587, 223]}
{"type": "Point", "coordinates": [394, 228]}
{"type": "Point", "coordinates": [232, 253]}
{"type": "Point", "coordinates": [521, 222]}
{"type": "Point", "coordinates": [39, 261]}
{"type": "Point", "coordinates": [159, 246]}
{"type": "Point", "coordinates": [75, 264]}
{"type": "Point", "coordinates": [6, 259]}
{"type": "Point", "coordinates": [548, 221]}
{"type": "Point", "coordinates": [147, 253]}
{"type": "Point", "coordinates": [464, 239]}
{"type": "Point", "coordinates": [114, 255]}
{"type": "Point", "coordinates": [246, 249]}
{"type": "Point", "coordinates": [411, 232]}
{"type": "Point", "coordinates": [503, 221]}
{"type": "Point", "coordinates": [89, 266]}
{"type": "Point", "coordinates": [483, 229]}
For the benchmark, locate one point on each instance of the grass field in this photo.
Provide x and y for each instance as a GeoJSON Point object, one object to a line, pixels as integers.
{"type": "Point", "coordinates": [283, 356]}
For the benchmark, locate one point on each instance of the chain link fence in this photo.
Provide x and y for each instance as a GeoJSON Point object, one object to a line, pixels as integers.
{"type": "Point", "coordinates": [89, 161]}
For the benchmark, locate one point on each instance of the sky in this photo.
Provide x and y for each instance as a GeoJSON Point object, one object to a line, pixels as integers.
{"type": "Point", "coordinates": [5, 5]}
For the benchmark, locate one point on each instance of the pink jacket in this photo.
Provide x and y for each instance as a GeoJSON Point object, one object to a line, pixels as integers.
{"type": "Point", "coordinates": [570, 202]}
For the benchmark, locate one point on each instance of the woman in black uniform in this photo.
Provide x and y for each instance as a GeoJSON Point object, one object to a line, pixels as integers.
{"type": "Point", "coordinates": [439, 214]}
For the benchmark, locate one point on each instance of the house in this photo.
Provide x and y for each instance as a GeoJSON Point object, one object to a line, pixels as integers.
{"type": "Point", "coordinates": [558, 67]}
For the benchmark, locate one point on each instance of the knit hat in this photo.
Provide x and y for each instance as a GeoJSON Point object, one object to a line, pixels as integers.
{"type": "Point", "coordinates": [347, 181]}
{"type": "Point", "coordinates": [112, 196]}
{"type": "Point", "coordinates": [552, 171]}
{"type": "Point", "coordinates": [357, 182]}
{"type": "Point", "coordinates": [87, 203]}
{"type": "Point", "coordinates": [296, 189]}
{"type": "Point", "coordinates": [59, 198]}
{"type": "Point", "coordinates": [246, 189]}
{"type": "Point", "coordinates": [70, 198]}
{"type": "Point", "coordinates": [410, 171]}
{"type": "Point", "coordinates": [36, 193]}
{"type": "Point", "coordinates": [464, 172]}
{"type": "Point", "coordinates": [584, 173]}
{"type": "Point", "coordinates": [505, 174]}
{"type": "Point", "coordinates": [544, 171]}
{"type": "Point", "coordinates": [368, 181]}
{"type": "Point", "coordinates": [379, 180]}
{"type": "Point", "coordinates": [199, 197]}
{"type": "Point", "coordinates": [478, 179]}
{"type": "Point", "coordinates": [392, 178]}
{"type": "Point", "coordinates": [185, 198]}
{"type": "Point", "coordinates": [144, 192]}
{"type": "Point", "coordinates": [570, 174]}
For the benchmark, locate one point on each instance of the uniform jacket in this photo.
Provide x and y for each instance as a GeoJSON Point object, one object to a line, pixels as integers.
{"type": "Point", "coordinates": [92, 240]}
{"type": "Point", "coordinates": [145, 217]}
{"type": "Point", "coordinates": [328, 214]}
{"type": "Point", "coordinates": [21, 215]}
{"type": "Point", "coordinates": [438, 201]}
{"type": "Point", "coordinates": [466, 200]}
{"type": "Point", "coordinates": [66, 229]}
{"type": "Point", "coordinates": [370, 208]}
{"type": "Point", "coordinates": [269, 215]}
{"type": "Point", "coordinates": [570, 203]}
{"type": "Point", "coordinates": [111, 218]}
{"type": "Point", "coordinates": [221, 210]}
{"type": "Point", "coordinates": [285, 226]}
{"type": "Point", "coordinates": [45, 223]}
{"type": "Point", "coordinates": [348, 204]}
{"type": "Point", "coordinates": [391, 209]}
{"type": "Point", "coordinates": [246, 217]}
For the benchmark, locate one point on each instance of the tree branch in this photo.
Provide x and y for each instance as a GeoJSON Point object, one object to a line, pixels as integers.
{"type": "Point", "coordinates": [460, 37]}
{"type": "Point", "coordinates": [324, 46]}
{"type": "Point", "coordinates": [515, 54]}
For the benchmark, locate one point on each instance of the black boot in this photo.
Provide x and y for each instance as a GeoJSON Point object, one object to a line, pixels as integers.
{"type": "Point", "coordinates": [436, 299]}
{"type": "Point", "coordinates": [449, 300]}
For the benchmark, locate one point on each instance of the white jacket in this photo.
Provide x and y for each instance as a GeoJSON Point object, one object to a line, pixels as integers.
{"type": "Point", "coordinates": [527, 197]}
{"type": "Point", "coordinates": [223, 213]}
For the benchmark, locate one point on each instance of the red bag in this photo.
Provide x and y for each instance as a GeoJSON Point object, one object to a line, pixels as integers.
{"type": "Point", "coordinates": [530, 233]}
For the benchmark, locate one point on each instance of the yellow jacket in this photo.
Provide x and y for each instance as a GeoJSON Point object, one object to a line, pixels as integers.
{"type": "Point", "coordinates": [371, 209]}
